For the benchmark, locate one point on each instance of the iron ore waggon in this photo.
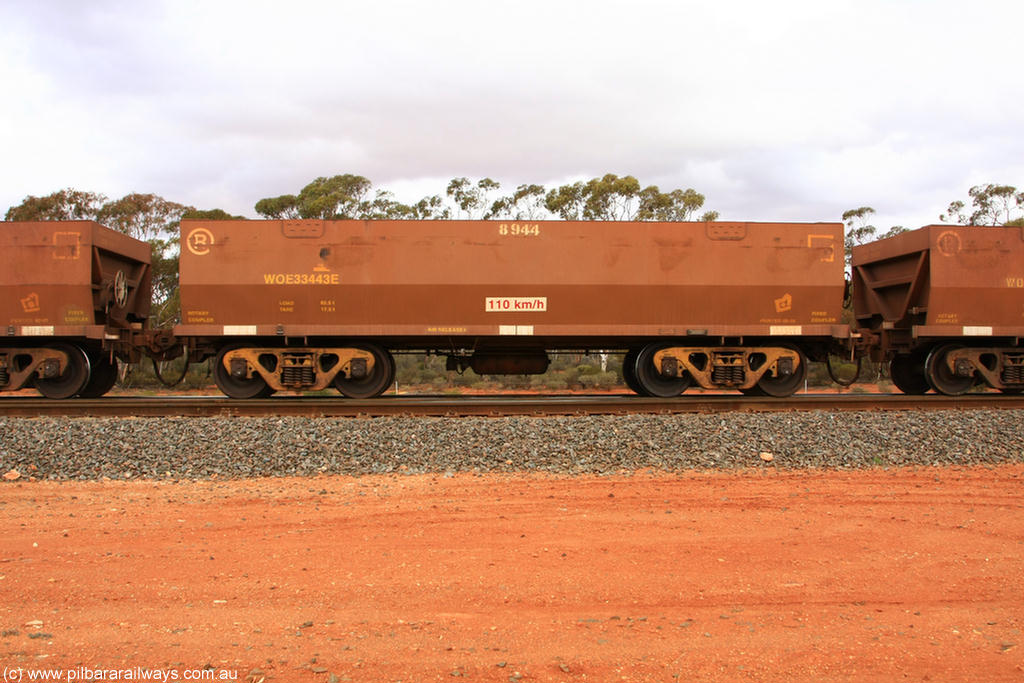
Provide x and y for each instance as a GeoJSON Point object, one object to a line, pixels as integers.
{"type": "Point", "coordinates": [944, 306]}
{"type": "Point", "coordinates": [304, 305]}
{"type": "Point", "coordinates": [307, 305]}
{"type": "Point", "coordinates": [74, 296]}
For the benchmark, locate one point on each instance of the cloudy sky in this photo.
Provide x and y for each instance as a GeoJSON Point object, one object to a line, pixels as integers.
{"type": "Point", "coordinates": [784, 110]}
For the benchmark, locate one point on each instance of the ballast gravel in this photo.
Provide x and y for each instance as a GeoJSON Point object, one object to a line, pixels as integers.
{"type": "Point", "coordinates": [233, 447]}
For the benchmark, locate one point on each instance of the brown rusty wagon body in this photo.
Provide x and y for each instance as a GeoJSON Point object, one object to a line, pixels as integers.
{"type": "Point", "coordinates": [945, 306]}
{"type": "Point", "coordinates": [306, 304]}
{"type": "Point", "coordinates": [72, 295]}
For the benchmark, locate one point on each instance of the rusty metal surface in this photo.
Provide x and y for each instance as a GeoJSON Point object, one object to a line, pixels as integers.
{"type": "Point", "coordinates": [943, 280]}
{"type": "Point", "coordinates": [60, 278]}
{"type": "Point", "coordinates": [491, 406]}
{"type": "Point", "coordinates": [514, 283]}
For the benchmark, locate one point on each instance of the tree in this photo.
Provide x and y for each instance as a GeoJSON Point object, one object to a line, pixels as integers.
{"type": "Point", "coordinates": [677, 205]}
{"type": "Point", "coordinates": [992, 205]}
{"type": "Point", "coordinates": [858, 230]}
{"type": "Point", "coordinates": [470, 198]}
{"type": "Point", "coordinates": [210, 215]}
{"type": "Point", "coordinates": [335, 198]}
{"type": "Point", "coordinates": [143, 216]}
{"type": "Point", "coordinates": [344, 197]}
{"type": "Point", "coordinates": [611, 198]}
{"type": "Point", "coordinates": [63, 205]}
{"type": "Point", "coordinates": [429, 208]}
{"type": "Point", "coordinates": [526, 203]}
{"type": "Point", "coordinates": [285, 207]}
{"type": "Point", "coordinates": [567, 201]}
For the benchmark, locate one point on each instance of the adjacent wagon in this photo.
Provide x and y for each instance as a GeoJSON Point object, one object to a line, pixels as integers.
{"type": "Point", "coordinates": [945, 307]}
{"type": "Point", "coordinates": [72, 296]}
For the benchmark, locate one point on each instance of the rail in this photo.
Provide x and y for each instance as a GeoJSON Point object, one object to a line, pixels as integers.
{"type": "Point", "coordinates": [488, 406]}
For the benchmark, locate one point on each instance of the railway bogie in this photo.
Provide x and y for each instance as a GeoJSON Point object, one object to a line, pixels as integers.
{"type": "Point", "coordinates": [777, 370]}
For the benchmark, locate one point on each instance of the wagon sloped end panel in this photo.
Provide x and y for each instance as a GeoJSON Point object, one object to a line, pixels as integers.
{"type": "Point", "coordinates": [947, 305]}
{"type": "Point", "coordinates": [495, 289]}
{"type": "Point", "coordinates": [71, 293]}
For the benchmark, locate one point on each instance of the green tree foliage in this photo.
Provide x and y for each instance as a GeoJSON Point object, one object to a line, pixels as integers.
{"type": "Point", "coordinates": [285, 207]}
{"type": "Point", "coordinates": [526, 203]}
{"type": "Point", "coordinates": [858, 230]}
{"type": "Point", "coordinates": [344, 197]}
{"type": "Point", "coordinates": [611, 198]}
{"type": "Point", "coordinates": [63, 205]}
{"type": "Point", "coordinates": [143, 216]}
{"type": "Point", "coordinates": [336, 198]}
{"type": "Point", "coordinates": [567, 201]}
{"type": "Point", "coordinates": [429, 208]}
{"type": "Point", "coordinates": [210, 215]}
{"type": "Point", "coordinates": [990, 205]}
{"type": "Point", "coordinates": [677, 205]}
{"type": "Point", "coordinates": [470, 198]}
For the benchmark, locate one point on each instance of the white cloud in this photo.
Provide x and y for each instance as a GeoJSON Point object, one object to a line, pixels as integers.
{"type": "Point", "coordinates": [787, 110]}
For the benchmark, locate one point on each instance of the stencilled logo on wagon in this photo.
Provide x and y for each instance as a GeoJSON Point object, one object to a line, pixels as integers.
{"type": "Point", "coordinates": [784, 303]}
{"type": "Point", "coordinates": [30, 304]}
{"type": "Point", "coordinates": [949, 243]}
{"type": "Point", "coordinates": [199, 241]}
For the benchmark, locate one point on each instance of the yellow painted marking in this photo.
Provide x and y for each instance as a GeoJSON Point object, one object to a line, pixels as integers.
{"type": "Point", "coordinates": [519, 229]}
{"type": "Point", "coordinates": [67, 245]}
{"type": "Point", "coordinates": [199, 241]}
{"type": "Point", "coordinates": [823, 241]}
{"type": "Point", "coordinates": [301, 279]}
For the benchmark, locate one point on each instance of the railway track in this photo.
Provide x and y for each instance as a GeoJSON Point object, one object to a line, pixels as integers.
{"type": "Point", "coordinates": [490, 406]}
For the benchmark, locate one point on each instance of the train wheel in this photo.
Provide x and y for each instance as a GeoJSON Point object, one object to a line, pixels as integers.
{"type": "Point", "coordinates": [629, 372]}
{"type": "Point", "coordinates": [374, 384]}
{"type": "Point", "coordinates": [906, 370]}
{"type": "Point", "coordinates": [251, 387]}
{"type": "Point", "coordinates": [653, 383]}
{"type": "Point", "coordinates": [73, 380]}
{"type": "Point", "coordinates": [102, 378]}
{"type": "Point", "coordinates": [941, 377]}
{"type": "Point", "coordinates": [785, 385]}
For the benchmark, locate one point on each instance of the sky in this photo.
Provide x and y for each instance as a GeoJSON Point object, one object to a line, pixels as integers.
{"type": "Point", "coordinates": [786, 110]}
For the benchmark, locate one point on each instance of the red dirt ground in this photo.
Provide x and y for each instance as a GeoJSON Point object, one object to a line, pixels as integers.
{"type": "Point", "coordinates": [759, 575]}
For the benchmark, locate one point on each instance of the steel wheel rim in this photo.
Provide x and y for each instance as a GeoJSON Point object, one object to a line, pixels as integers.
{"type": "Point", "coordinates": [629, 372]}
{"type": "Point", "coordinates": [787, 385]}
{"type": "Point", "coordinates": [254, 387]}
{"type": "Point", "coordinates": [939, 375]}
{"type": "Point", "coordinates": [74, 378]}
{"type": "Point", "coordinates": [376, 383]}
{"type": "Point", "coordinates": [651, 381]}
